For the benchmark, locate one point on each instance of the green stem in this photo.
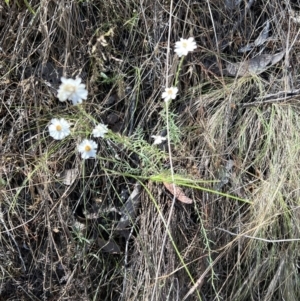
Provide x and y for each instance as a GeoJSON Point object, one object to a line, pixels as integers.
{"type": "Point", "coordinates": [178, 71]}
{"type": "Point", "coordinates": [29, 7]}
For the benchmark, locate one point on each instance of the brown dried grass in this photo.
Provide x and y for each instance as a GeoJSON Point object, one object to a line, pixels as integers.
{"type": "Point", "coordinates": [230, 249]}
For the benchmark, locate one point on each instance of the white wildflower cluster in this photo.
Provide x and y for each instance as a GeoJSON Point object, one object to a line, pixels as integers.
{"type": "Point", "coordinates": [182, 48]}
{"type": "Point", "coordinates": [75, 91]}
{"type": "Point", "coordinates": [59, 128]}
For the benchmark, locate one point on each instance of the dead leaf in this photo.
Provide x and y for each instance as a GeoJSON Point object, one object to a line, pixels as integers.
{"type": "Point", "coordinates": [108, 246]}
{"type": "Point", "coordinates": [246, 48]}
{"type": "Point", "coordinates": [69, 176]}
{"type": "Point", "coordinates": [277, 57]}
{"type": "Point", "coordinates": [255, 65]}
{"type": "Point", "coordinates": [179, 194]}
{"type": "Point", "coordinates": [263, 36]}
{"type": "Point", "coordinates": [130, 208]}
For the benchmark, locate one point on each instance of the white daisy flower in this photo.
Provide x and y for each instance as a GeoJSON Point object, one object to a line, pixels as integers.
{"type": "Point", "coordinates": [184, 46]}
{"type": "Point", "coordinates": [88, 149]}
{"type": "Point", "coordinates": [100, 130]}
{"type": "Point", "coordinates": [158, 139]}
{"type": "Point", "coordinates": [169, 93]}
{"type": "Point", "coordinates": [72, 89]}
{"type": "Point", "coordinates": [59, 128]}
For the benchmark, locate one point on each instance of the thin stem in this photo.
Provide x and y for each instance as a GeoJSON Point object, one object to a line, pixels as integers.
{"type": "Point", "coordinates": [170, 159]}
{"type": "Point", "coordinates": [178, 71]}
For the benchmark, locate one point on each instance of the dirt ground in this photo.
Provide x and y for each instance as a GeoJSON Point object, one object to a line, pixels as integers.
{"type": "Point", "coordinates": [114, 228]}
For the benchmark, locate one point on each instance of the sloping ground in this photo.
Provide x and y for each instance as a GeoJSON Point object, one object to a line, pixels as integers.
{"type": "Point", "coordinates": [235, 145]}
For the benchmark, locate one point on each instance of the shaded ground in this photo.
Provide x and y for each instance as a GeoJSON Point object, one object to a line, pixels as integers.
{"type": "Point", "coordinates": [235, 151]}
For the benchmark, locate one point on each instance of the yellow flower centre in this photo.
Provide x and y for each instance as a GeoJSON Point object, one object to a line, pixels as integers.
{"type": "Point", "coordinates": [58, 127]}
{"type": "Point", "coordinates": [70, 88]}
{"type": "Point", "coordinates": [184, 44]}
{"type": "Point", "coordinates": [170, 92]}
{"type": "Point", "coordinates": [87, 148]}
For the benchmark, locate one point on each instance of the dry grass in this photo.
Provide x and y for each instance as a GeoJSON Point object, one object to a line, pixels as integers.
{"type": "Point", "coordinates": [234, 151]}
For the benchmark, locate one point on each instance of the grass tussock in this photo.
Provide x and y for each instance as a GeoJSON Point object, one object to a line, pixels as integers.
{"type": "Point", "coordinates": [109, 229]}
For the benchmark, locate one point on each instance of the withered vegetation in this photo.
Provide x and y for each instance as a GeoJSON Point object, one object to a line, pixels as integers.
{"type": "Point", "coordinates": [235, 151]}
